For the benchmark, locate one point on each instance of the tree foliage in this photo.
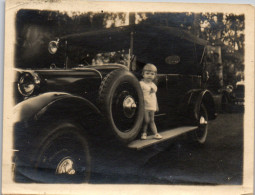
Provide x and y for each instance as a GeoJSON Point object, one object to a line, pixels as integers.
{"type": "Point", "coordinates": [219, 29]}
{"type": "Point", "coordinates": [36, 27]}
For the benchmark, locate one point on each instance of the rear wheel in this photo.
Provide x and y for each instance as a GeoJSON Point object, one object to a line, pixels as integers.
{"type": "Point", "coordinates": [200, 134]}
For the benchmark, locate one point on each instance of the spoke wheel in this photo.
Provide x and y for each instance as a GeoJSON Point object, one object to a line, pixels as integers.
{"type": "Point", "coordinates": [200, 134]}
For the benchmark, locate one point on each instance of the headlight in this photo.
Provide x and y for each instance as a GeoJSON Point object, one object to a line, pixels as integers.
{"type": "Point", "coordinates": [53, 47]}
{"type": "Point", "coordinates": [27, 83]}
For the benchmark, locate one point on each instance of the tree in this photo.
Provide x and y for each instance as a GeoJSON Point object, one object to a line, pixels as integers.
{"type": "Point", "coordinates": [219, 29]}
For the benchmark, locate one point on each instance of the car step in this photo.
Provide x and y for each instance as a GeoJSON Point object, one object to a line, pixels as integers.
{"type": "Point", "coordinates": [167, 134]}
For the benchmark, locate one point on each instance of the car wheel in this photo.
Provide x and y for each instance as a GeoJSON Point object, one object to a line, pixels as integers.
{"type": "Point", "coordinates": [121, 102]}
{"type": "Point", "coordinates": [63, 156]}
{"type": "Point", "coordinates": [200, 134]}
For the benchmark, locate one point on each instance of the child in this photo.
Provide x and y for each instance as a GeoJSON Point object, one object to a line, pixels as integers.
{"type": "Point", "coordinates": [150, 99]}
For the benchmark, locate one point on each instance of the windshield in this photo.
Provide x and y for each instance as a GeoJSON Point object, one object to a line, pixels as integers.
{"type": "Point", "coordinates": [78, 57]}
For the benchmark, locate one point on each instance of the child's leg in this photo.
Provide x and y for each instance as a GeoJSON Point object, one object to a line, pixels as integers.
{"type": "Point", "coordinates": [146, 121]}
{"type": "Point", "coordinates": [153, 127]}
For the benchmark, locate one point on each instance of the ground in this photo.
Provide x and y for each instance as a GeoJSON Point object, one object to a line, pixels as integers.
{"type": "Point", "coordinates": [178, 161]}
{"type": "Point", "coordinates": [218, 161]}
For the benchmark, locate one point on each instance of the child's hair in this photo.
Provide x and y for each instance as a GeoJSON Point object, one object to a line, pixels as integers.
{"type": "Point", "coordinates": [149, 67]}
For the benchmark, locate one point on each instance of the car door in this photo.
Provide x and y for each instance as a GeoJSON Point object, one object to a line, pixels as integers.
{"type": "Point", "coordinates": [182, 73]}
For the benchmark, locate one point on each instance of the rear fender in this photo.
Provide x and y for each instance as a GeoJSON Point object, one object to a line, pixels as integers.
{"type": "Point", "coordinates": [206, 98]}
{"type": "Point", "coordinates": [193, 100]}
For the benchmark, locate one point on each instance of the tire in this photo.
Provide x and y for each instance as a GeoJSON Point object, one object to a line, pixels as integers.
{"type": "Point", "coordinates": [63, 156]}
{"type": "Point", "coordinates": [200, 134]}
{"type": "Point", "coordinates": [121, 102]}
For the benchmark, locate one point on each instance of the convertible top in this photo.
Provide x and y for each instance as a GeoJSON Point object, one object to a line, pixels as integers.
{"type": "Point", "coordinates": [118, 38]}
{"type": "Point", "coordinates": [147, 43]}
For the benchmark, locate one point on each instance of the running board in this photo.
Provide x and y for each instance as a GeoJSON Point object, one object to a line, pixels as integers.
{"type": "Point", "coordinates": [168, 134]}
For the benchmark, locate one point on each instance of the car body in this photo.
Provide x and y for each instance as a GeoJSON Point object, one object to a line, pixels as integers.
{"type": "Point", "coordinates": [91, 84]}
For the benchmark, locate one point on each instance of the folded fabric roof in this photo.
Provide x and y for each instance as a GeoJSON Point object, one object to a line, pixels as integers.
{"type": "Point", "coordinates": [117, 38]}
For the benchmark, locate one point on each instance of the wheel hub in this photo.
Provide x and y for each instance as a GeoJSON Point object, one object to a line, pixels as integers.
{"type": "Point", "coordinates": [65, 166]}
{"type": "Point", "coordinates": [129, 106]}
{"type": "Point", "coordinates": [202, 121]}
{"type": "Point", "coordinates": [202, 127]}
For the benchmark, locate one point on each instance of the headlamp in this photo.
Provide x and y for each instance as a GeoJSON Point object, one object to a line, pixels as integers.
{"type": "Point", "coordinates": [27, 83]}
{"type": "Point", "coordinates": [53, 46]}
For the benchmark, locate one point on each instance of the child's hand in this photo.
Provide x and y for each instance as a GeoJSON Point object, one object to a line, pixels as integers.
{"type": "Point", "coordinates": [152, 91]}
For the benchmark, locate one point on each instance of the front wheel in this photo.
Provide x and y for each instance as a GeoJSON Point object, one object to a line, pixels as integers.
{"type": "Point", "coordinates": [64, 156]}
{"type": "Point", "coordinates": [200, 134]}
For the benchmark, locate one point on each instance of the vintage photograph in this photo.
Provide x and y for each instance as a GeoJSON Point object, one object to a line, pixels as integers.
{"type": "Point", "coordinates": [128, 97]}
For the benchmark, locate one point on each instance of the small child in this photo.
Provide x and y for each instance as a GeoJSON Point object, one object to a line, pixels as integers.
{"type": "Point", "coordinates": [150, 99]}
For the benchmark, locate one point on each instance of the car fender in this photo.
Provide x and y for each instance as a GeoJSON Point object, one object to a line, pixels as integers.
{"type": "Point", "coordinates": [52, 103]}
{"type": "Point", "coordinates": [206, 97]}
{"type": "Point", "coordinates": [38, 118]}
{"type": "Point", "coordinates": [193, 100]}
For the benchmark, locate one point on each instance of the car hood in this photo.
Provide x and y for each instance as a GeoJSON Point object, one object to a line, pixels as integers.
{"type": "Point", "coordinates": [99, 69]}
{"type": "Point", "coordinates": [82, 81]}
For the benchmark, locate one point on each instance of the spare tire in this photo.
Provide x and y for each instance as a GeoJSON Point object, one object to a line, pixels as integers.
{"type": "Point", "coordinates": [121, 102]}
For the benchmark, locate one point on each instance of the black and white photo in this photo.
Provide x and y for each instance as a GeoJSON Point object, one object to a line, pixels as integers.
{"type": "Point", "coordinates": [106, 95]}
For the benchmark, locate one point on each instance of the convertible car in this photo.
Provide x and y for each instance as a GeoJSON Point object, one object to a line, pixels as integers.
{"type": "Point", "coordinates": [88, 86]}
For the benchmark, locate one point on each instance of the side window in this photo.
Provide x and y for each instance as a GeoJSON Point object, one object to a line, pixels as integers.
{"type": "Point", "coordinates": [177, 57]}
{"type": "Point", "coordinates": [119, 57]}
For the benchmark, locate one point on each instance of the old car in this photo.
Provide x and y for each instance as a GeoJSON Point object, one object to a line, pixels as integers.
{"type": "Point", "coordinates": [238, 94]}
{"type": "Point", "coordinates": [233, 98]}
{"type": "Point", "coordinates": [89, 87]}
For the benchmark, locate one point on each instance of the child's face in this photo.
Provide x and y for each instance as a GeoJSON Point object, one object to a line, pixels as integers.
{"type": "Point", "coordinates": [149, 75]}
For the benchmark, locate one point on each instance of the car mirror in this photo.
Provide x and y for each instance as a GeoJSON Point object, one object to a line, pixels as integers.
{"type": "Point", "coordinates": [173, 59]}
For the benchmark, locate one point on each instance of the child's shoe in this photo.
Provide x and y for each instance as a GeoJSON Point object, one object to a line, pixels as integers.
{"type": "Point", "coordinates": [144, 136]}
{"type": "Point", "coordinates": [157, 136]}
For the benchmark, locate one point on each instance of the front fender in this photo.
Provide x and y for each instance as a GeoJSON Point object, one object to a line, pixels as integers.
{"type": "Point", "coordinates": [52, 104]}
{"type": "Point", "coordinates": [37, 116]}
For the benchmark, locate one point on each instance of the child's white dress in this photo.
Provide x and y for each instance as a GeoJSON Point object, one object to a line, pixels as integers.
{"type": "Point", "coordinates": [149, 94]}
